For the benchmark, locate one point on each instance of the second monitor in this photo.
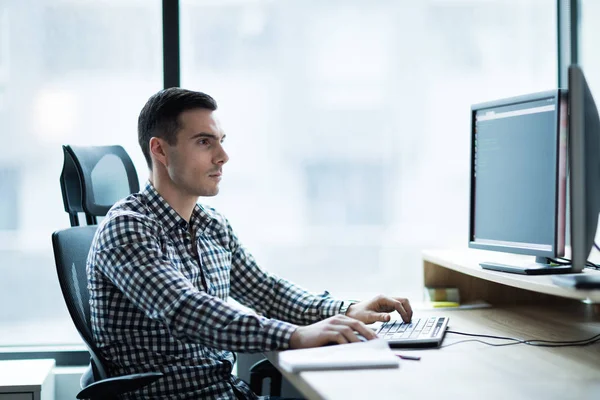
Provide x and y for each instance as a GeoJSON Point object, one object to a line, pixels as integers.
{"type": "Point", "coordinates": [518, 179]}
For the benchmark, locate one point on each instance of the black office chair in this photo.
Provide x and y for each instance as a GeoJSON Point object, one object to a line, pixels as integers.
{"type": "Point", "coordinates": [92, 180]}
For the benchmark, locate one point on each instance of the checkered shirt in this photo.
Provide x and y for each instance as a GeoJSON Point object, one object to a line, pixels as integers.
{"type": "Point", "coordinates": [158, 295]}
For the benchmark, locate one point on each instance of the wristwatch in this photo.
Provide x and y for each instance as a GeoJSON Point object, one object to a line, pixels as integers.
{"type": "Point", "coordinates": [346, 305]}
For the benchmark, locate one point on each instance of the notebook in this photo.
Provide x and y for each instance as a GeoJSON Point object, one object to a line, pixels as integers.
{"type": "Point", "coordinates": [370, 354]}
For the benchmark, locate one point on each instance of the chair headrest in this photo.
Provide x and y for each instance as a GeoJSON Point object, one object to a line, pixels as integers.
{"type": "Point", "coordinates": [95, 177]}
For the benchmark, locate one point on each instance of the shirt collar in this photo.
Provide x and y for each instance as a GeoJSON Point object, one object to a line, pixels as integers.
{"type": "Point", "coordinates": [200, 220]}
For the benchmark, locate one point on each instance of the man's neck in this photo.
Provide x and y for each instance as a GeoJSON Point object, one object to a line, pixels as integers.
{"type": "Point", "coordinates": [182, 203]}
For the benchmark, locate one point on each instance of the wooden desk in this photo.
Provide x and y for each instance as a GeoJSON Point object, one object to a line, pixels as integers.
{"type": "Point", "coordinates": [472, 370]}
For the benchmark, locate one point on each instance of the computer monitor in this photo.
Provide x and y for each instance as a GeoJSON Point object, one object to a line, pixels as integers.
{"type": "Point", "coordinates": [518, 179]}
{"type": "Point", "coordinates": [584, 153]}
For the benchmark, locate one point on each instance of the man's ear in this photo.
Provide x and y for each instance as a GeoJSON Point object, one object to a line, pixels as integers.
{"type": "Point", "coordinates": [158, 151]}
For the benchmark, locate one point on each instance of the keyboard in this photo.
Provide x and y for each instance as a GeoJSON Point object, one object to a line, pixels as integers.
{"type": "Point", "coordinates": [420, 332]}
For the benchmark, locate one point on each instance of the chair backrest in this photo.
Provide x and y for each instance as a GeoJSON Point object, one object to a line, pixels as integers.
{"type": "Point", "coordinates": [71, 248]}
{"type": "Point", "coordinates": [94, 178]}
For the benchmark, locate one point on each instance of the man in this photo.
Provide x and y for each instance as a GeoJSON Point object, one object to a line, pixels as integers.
{"type": "Point", "coordinates": [162, 267]}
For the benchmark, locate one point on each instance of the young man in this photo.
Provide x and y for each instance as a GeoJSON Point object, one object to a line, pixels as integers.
{"type": "Point", "coordinates": [162, 267]}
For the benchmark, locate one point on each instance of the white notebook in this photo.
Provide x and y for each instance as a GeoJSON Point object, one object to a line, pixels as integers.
{"type": "Point", "coordinates": [370, 354]}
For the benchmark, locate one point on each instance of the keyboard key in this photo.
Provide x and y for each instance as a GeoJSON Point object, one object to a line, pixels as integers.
{"type": "Point", "coordinates": [420, 324]}
{"type": "Point", "coordinates": [405, 334]}
{"type": "Point", "coordinates": [385, 328]}
{"type": "Point", "coordinates": [414, 334]}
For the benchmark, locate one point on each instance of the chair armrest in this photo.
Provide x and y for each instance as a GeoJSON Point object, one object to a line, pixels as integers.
{"type": "Point", "coordinates": [260, 371]}
{"type": "Point", "coordinates": [111, 387]}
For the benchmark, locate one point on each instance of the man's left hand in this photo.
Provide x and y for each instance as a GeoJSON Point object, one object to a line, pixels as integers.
{"type": "Point", "coordinates": [378, 309]}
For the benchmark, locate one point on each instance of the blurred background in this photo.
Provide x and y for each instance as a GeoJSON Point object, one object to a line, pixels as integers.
{"type": "Point", "coordinates": [347, 125]}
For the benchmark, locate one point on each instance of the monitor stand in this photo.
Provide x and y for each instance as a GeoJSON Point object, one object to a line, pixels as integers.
{"type": "Point", "coordinates": [541, 266]}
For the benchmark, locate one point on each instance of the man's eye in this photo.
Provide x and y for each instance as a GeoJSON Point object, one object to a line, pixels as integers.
{"type": "Point", "coordinates": [203, 141]}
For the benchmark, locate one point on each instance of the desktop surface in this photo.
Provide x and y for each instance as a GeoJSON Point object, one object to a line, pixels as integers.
{"type": "Point", "coordinates": [472, 370]}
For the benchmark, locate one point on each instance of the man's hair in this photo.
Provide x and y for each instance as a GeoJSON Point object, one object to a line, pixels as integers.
{"type": "Point", "coordinates": [160, 115]}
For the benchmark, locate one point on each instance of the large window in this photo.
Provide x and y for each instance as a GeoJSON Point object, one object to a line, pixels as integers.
{"type": "Point", "coordinates": [348, 123]}
{"type": "Point", "coordinates": [71, 72]}
{"type": "Point", "coordinates": [347, 126]}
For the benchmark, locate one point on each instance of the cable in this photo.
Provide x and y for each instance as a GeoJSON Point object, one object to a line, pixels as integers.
{"type": "Point", "coordinates": [531, 342]}
{"type": "Point", "coordinates": [562, 261]}
{"type": "Point", "coordinates": [481, 341]}
{"type": "Point", "coordinates": [566, 261]}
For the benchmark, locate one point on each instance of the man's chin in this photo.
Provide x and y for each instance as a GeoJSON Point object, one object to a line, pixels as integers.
{"type": "Point", "coordinates": [208, 193]}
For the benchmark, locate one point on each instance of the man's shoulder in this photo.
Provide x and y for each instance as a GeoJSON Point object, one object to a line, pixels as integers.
{"type": "Point", "coordinates": [130, 213]}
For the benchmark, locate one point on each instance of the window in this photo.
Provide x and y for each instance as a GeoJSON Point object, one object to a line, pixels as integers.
{"type": "Point", "coordinates": [589, 58]}
{"type": "Point", "coordinates": [348, 123]}
{"type": "Point", "coordinates": [85, 69]}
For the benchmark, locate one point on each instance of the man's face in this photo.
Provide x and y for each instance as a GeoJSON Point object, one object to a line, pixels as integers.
{"type": "Point", "coordinates": [195, 163]}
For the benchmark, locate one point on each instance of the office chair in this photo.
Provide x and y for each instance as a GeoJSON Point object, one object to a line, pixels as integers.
{"type": "Point", "coordinates": [92, 180]}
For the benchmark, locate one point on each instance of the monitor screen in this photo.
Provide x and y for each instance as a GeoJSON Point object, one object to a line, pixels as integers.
{"type": "Point", "coordinates": [518, 174]}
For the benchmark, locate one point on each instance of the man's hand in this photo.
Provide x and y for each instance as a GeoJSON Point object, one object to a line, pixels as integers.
{"type": "Point", "coordinates": [378, 309]}
{"type": "Point", "coordinates": [337, 329]}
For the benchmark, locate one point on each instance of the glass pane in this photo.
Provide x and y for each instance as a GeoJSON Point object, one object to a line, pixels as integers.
{"type": "Point", "coordinates": [71, 72]}
{"type": "Point", "coordinates": [588, 52]}
{"type": "Point", "coordinates": [348, 123]}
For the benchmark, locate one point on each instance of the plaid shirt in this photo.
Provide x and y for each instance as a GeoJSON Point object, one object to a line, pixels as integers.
{"type": "Point", "coordinates": [158, 294]}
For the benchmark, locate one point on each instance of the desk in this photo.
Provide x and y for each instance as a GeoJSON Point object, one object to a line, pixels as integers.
{"type": "Point", "coordinates": [473, 370]}
{"type": "Point", "coordinates": [26, 380]}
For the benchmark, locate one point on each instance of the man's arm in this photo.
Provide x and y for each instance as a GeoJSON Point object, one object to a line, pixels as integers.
{"type": "Point", "coordinates": [270, 295]}
{"type": "Point", "coordinates": [128, 253]}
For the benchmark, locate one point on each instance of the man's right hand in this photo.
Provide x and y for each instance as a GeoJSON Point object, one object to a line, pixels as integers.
{"type": "Point", "coordinates": [337, 329]}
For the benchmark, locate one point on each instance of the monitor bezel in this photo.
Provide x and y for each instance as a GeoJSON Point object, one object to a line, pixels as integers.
{"type": "Point", "coordinates": [558, 245]}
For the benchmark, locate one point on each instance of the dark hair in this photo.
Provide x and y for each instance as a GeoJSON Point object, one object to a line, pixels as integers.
{"type": "Point", "coordinates": [160, 115]}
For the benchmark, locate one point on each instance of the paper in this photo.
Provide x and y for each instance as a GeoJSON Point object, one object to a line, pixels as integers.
{"type": "Point", "coordinates": [370, 354]}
